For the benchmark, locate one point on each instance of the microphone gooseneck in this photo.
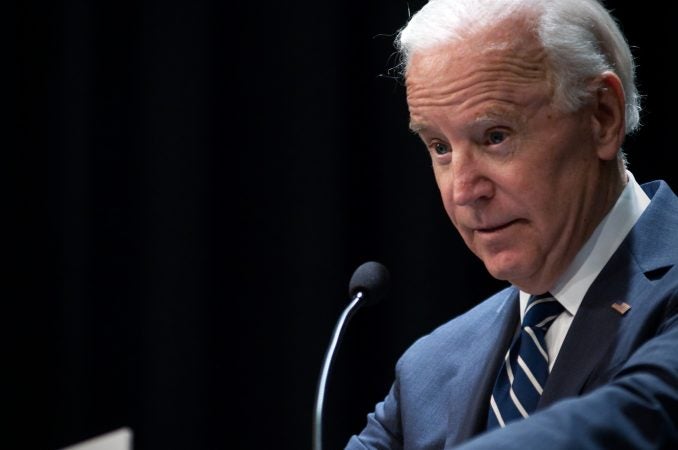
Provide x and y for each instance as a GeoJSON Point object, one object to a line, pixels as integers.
{"type": "Point", "coordinates": [368, 285]}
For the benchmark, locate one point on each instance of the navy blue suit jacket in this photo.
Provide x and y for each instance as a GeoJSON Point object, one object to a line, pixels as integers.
{"type": "Point", "coordinates": [614, 384]}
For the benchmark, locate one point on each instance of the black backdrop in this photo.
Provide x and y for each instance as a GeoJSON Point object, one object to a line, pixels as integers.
{"type": "Point", "coordinates": [196, 181]}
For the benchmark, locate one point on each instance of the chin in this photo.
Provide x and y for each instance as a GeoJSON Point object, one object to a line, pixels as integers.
{"type": "Point", "coordinates": [507, 269]}
{"type": "Point", "coordinates": [501, 275]}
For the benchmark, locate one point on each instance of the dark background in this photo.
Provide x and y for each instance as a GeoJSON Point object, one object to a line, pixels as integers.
{"type": "Point", "coordinates": [195, 182]}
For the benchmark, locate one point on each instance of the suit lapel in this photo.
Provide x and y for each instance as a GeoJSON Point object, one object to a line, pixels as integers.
{"type": "Point", "coordinates": [593, 330]}
{"type": "Point", "coordinates": [506, 322]}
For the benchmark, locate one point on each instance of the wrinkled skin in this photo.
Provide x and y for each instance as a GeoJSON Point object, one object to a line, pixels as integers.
{"type": "Point", "coordinates": [524, 182]}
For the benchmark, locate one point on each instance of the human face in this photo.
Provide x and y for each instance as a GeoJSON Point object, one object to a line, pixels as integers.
{"type": "Point", "coordinates": [522, 181]}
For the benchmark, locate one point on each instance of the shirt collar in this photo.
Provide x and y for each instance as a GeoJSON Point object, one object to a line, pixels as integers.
{"type": "Point", "coordinates": [598, 249]}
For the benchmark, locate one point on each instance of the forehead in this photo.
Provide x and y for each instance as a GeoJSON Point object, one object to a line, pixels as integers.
{"type": "Point", "coordinates": [500, 69]}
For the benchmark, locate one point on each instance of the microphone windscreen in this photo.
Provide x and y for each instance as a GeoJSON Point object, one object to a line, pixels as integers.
{"type": "Point", "coordinates": [372, 279]}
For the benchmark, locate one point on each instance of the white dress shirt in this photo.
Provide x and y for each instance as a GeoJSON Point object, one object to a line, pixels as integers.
{"type": "Point", "coordinates": [576, 280]}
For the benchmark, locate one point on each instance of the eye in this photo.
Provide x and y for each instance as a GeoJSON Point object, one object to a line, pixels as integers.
{"type": "Point", "coordinates": [495, 137]}
{"type": "Point", "coordinates": [440, 148]}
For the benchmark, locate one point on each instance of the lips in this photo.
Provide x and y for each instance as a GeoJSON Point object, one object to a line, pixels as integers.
{"type": "Point", "coordinates": [496, 228]}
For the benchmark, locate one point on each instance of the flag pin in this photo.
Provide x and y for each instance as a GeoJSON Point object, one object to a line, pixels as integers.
{"type": "Point", "coordinates": [622, 308]}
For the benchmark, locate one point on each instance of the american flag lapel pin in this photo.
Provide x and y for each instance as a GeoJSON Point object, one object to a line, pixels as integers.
{"type": "Point", "coordinates": [621, 307]}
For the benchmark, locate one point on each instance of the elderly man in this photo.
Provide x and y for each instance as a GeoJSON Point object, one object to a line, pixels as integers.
{"type": "Point", "coordinates": [523, 106]}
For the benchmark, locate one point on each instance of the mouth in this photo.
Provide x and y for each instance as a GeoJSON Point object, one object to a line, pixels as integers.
{"type": "Point", "coordinates": [498, 228]}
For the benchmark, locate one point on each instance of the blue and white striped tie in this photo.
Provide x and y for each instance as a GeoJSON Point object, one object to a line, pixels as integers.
{"type": "Point", "coordinates": [523, 374]}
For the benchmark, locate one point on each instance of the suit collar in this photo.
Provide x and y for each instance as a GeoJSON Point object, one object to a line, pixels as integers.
{"type": "Point", "coordinates": [660, 219]}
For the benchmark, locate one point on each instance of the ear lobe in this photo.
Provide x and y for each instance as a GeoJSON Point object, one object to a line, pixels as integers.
{"type": "Point", "coordinates": [609, 114]}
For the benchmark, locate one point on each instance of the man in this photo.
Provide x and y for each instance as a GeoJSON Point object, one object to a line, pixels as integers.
{"type": "Point", "coordinates": [523, 106]}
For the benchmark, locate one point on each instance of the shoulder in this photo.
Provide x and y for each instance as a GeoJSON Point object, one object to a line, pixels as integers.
{"type": "Point", "coordinates": [462, 332]}
{"type": "Point", "coordinates": [653, 240]}
{"type": "Point", "coordinates": [444, 368]}
{"type": "Point", "coordinates": [663, 202]}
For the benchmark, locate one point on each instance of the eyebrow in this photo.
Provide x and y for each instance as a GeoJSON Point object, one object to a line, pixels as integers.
{"type": "Point", "coordinates": [500, 115]}
{"type": "Point", "coordinates": [417, 127]}
{"type": "Point", "coordinates": [484, 120]}
{"type": "Point", "coordinates": [490, 116]}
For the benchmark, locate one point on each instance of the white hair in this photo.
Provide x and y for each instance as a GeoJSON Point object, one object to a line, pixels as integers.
{"type": "Point", "coordinates": [580, 38]}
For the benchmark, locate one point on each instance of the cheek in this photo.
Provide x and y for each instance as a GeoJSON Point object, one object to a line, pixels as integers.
{"type": "Point", "coordinates": [454, 213]}
{"type": "Point", "coordinates": [444, 188]}
{"type": "Point", "coordinates": [450, 207]}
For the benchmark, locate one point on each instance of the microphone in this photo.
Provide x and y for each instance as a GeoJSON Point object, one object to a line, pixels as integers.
{"type": "Point", "coordinates": [368, 285]}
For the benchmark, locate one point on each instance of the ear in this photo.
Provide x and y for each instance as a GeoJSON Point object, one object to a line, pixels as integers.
{"type": "Point", "coordinates": [609, 112]}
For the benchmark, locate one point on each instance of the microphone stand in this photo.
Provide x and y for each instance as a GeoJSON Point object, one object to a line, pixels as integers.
{"type": "Point", "coordinates": [329, 357]}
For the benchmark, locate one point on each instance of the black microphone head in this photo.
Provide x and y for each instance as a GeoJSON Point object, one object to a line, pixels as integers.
{"type": "Point", "coordinates": [372, 279]}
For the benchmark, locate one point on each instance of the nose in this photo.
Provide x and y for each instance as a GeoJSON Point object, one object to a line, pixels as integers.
{"type": "Point", "coordinates": [469, 181]}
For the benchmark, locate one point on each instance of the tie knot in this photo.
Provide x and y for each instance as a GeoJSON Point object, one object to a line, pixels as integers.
{"type": "Point", "coordinates": [541, 311]}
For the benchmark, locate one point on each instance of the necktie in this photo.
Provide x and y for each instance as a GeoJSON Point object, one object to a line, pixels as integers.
{"type": "Point", "coordinates": [523, 374]}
